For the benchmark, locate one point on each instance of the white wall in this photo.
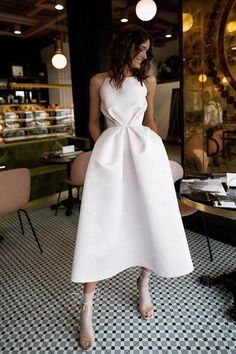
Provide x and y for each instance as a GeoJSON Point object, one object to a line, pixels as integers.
{"type": "Point", "coordinates": [61, 96]}
{"type": "Point", "coordinates": [162, 106]}
{"type": "Point", "coordinates": [170, 48]}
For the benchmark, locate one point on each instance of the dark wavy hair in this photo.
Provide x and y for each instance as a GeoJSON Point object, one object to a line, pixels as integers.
{"type": "Point", "coordinates": [125, 47]}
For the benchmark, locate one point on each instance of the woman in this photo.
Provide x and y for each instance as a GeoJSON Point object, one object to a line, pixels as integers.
{"type": "Point", "coordinates": [129, 214]}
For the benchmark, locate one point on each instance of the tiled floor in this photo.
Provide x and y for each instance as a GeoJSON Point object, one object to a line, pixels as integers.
{"type": "Point", "coordinates": [39, 304]}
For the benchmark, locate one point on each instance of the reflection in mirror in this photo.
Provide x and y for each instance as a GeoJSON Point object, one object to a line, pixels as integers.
{"type": "Point", "coordinates": [209, 86]}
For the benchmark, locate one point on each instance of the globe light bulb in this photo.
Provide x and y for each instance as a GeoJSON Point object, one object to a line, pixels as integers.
{"type": "Point", "coordinates": [59, 61]}
{"type": "Point", "coordinates": [146, 10]}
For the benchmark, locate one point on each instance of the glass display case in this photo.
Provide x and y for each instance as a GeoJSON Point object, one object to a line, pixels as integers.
{"type": "Point", "coordinates": [19, 122]}
{"type": "Point", "coordinates": [25, 112]}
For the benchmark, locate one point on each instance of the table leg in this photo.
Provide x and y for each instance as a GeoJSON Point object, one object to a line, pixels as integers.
{"type": "Point", "coordinates": [226, 279]}
{"type": "Point", "coordinates": [70, 201]}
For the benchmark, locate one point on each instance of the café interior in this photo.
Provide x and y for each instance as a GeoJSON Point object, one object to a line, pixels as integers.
{"type": "Point", "coordinates": [49, 51]}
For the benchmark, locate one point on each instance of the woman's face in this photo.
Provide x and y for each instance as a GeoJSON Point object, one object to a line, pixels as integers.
{"type": "Point", "coordinates": [141, 55]}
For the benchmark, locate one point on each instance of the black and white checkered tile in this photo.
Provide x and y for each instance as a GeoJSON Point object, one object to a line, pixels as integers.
{"type": "Point", "coordinates": [39, 303]}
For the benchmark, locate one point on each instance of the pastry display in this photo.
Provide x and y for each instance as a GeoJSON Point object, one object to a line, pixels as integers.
{"type": "Point", "coordinates": [29, 121]}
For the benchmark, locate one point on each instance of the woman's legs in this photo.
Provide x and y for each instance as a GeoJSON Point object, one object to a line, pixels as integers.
{"type": "Point", "coordinates": [145, 302]}
{"type": "Point", "coordinates": [86, 335]}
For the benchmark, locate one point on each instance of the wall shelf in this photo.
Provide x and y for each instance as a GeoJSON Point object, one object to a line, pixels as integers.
{"type": "Point", "coordinates": [30, 86]}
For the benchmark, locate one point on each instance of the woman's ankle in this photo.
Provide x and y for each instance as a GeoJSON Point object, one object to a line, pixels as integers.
{"type": "Point", "coordinates": [88, 298]}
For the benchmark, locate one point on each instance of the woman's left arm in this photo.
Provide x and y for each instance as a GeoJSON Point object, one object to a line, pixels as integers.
{"type": "Point", "coordinates": [148, 120]}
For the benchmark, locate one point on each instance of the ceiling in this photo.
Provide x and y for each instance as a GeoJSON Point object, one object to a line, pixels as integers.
{"type": "Point", "coordinates": [166, 18]}
{"type": "Point", "coordinates": [39, 19]}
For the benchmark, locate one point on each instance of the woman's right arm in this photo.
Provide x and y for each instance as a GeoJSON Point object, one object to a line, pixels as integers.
{"type": "Point", "coordinates": [94, 106]}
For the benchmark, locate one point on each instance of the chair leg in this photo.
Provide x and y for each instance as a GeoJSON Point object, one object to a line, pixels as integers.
{"type": "Point", "coordinates": [78, 190]}
{"type": "Point", "coordinates": [78, 196]}
{"type": "Point", "coordinates": [206, 234]}
{"type": "Point", "coordinates": [21, 223]}
{"type": "Point", "coordinates": [59, 197]}
{"type": "Point", "coordinates": [33, 231]}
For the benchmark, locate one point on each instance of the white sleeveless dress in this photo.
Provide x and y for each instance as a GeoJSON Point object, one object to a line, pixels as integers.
{"type": "Point", "coordinates": [129, 214]}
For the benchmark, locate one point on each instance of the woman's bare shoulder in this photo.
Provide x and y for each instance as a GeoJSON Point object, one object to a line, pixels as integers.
{"type": "Point", "coordinates": [151, 80]}
{"type": "Point", "coordinates": [98, 79]}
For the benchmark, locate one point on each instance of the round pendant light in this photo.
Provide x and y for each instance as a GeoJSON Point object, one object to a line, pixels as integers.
{"type": "Point", "coordinates": [187, 22]}
{"type": "Point", "coordinates": [59, 61]}
{"type": "Point", "coordinates": [146, 9]}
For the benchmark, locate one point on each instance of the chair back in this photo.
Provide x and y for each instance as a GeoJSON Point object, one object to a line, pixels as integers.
{"type": "Point", "coordinates": [79, 168]}
{"type": "Point", "coordinates": [177, 170]}
{"type": "Point", "coordinates": [14, 189]}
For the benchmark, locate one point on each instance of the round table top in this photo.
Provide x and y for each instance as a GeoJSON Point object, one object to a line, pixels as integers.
{"type": "Point", "coordinates": [60, 159]}
{"type": "Point", "coordinates": [210, 209]}
{"type": "Point", "coordinates": [3, 167]}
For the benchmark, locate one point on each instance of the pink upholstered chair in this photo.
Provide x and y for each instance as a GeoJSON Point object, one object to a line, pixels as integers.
{"type": "Point", "coordinates": [176, 170]}
{"type": "Point", "coordinates": [177, 174]}
{"type": "Point", "coordinates": [77, 177]}
{"type": "Point", "coordinates": [79, 169]}
{"type": "Point", "coordinates": [14, 194]}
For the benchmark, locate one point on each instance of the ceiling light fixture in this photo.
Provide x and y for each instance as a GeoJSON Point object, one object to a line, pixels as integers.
{"type": "Point", "coordinates": [124, 16]}
{"type": "Point", "coordinates": [168, 33]}
{"type": "Point", "coordinates": [59, 60]}
{"type": "Point", "coordinates": [59, 5]}
{"type": "Point", "coordinates": [146, 9]}
{"type": "Point", "coordinates": [17, 29]}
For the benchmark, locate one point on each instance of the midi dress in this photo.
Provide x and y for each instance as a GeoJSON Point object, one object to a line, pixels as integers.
{"type": "Point", "coordinates": [129, 212]}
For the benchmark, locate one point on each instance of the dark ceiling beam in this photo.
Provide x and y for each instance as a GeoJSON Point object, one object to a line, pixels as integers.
{"type": "Point", "coordinates": [36, 10]}
{"type": "Point", "coordinates": [46, 6]}
{"type": "Point", "coordinates": [33, 31]}
{"type": "Point", "coordinates": [17, 19]}
{"type": "Point", "coordinates": [167, 16]}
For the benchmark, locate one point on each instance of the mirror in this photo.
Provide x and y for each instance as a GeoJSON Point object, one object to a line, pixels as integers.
{"type": "Point", "coordinates": [227, 44]}
{"type": "Point", "coordinates": [209, 49]}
